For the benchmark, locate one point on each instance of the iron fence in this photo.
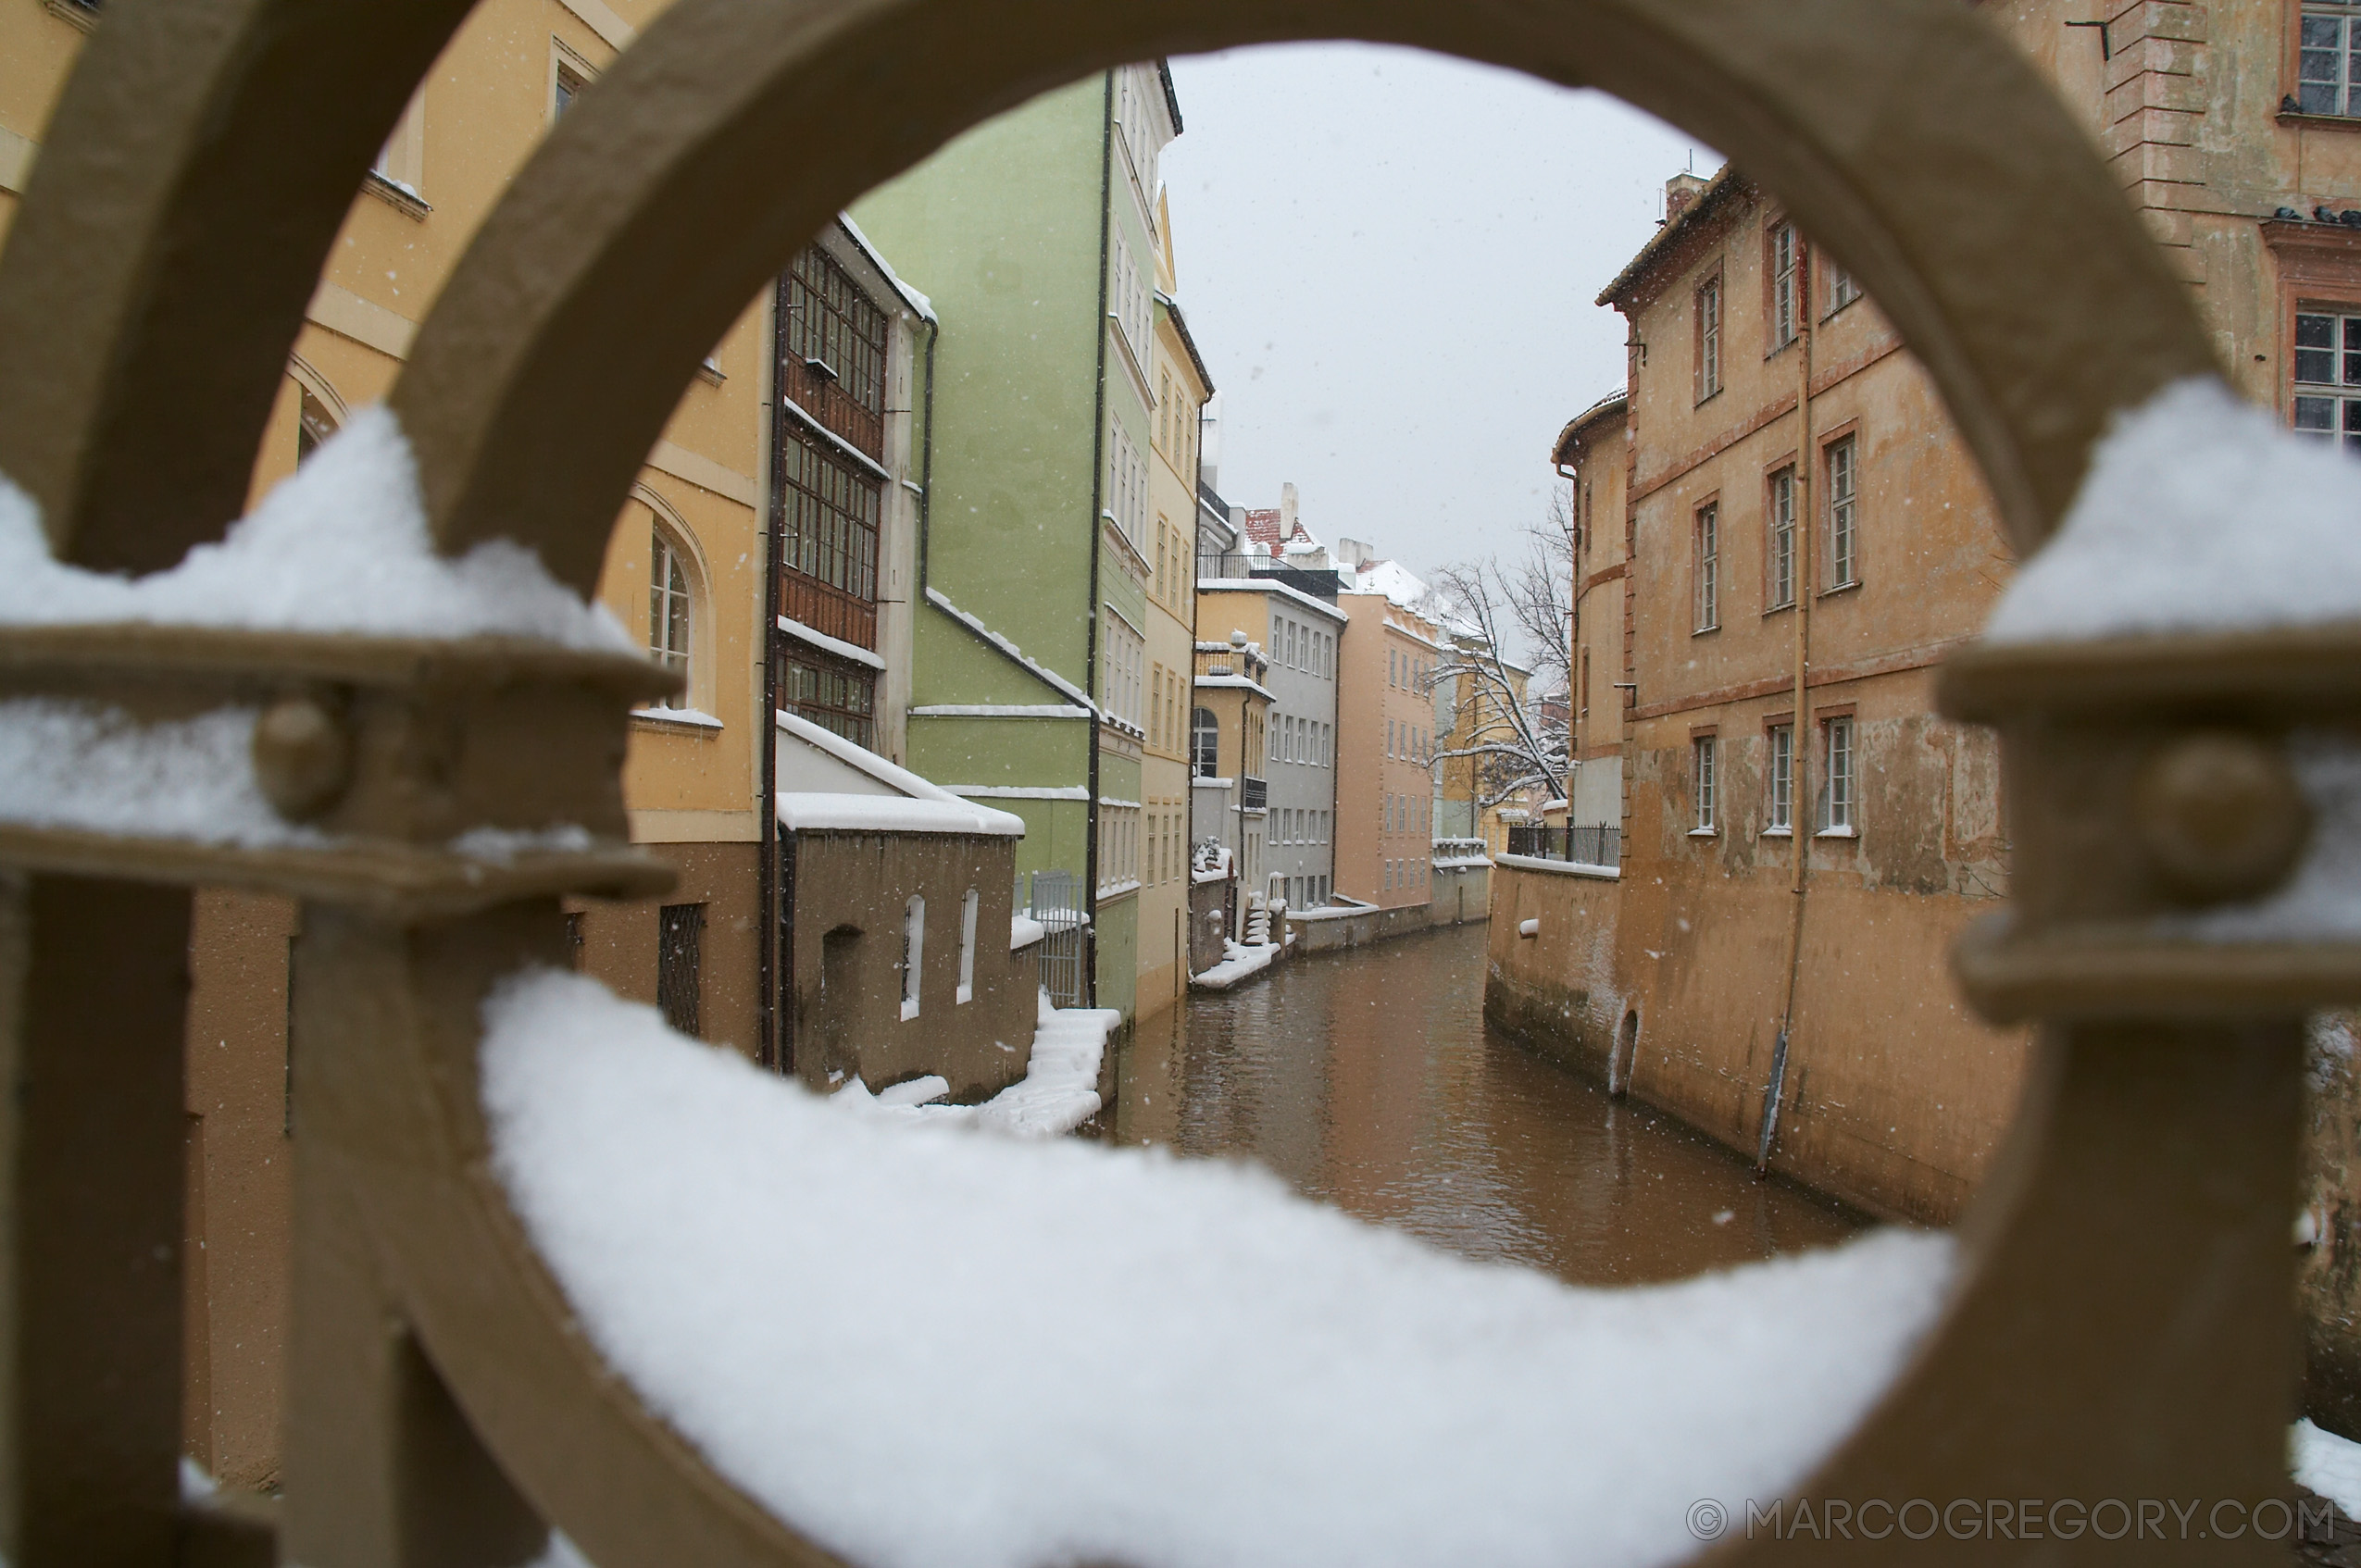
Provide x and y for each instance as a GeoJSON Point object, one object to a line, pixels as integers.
{"type": "Point", "coordinates": [1055, 898]}
{"type": "Point", "coordinates": [1319, 582]}
{"type": "Point", "coordinates": [1598, 845]}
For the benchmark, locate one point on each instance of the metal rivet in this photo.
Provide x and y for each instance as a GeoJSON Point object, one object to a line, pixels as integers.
{"type": "Point", "coordinates": [2221, 816]}
{"type": "Point", "coordinates": [301, 756]}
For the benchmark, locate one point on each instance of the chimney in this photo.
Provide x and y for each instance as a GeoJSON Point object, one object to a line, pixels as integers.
{"type": "Point", "coordinates": [1680, 192]}
{"type": "Point", "coordinates": [1286, 513]}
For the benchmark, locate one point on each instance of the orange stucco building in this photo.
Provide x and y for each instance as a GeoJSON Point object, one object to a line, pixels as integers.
{"type": "Point", "coordinates": [1385, 722]}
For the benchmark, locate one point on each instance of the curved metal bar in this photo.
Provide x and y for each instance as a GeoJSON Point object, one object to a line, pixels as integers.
{"type": "Point", "coordinates": [1905, 134]}
{"type": "Point", "coordinates": [195, 172]}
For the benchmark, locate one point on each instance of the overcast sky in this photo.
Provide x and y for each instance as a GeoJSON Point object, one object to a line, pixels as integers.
{"type": "Point", "coordinates": [1388, 259]}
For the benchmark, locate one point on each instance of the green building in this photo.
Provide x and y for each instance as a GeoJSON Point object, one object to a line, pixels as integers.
{"type": "Point", "coordinates": [1035, 236]}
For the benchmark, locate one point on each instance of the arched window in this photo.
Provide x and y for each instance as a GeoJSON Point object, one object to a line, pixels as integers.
{"type": "Point", "coordinates": [669, 624]}
{"type": "Point", "coordinates": [1204, 744]}
{"type": "Point", "coordinates": [968, 907]}
{"type": "Point", "coordinates": [914, 950]}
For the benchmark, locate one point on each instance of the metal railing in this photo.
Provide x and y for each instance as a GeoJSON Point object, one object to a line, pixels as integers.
{"type": "Point", "coordinates": [1055, 898]}
{"type": "Point", "coordinates": [1320, 582]}
{"type": "Point", "coordinates": [1598, 845]}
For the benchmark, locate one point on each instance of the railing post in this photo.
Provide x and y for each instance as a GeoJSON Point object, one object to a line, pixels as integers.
{"type": "Point", "coordinates": [93, 987]}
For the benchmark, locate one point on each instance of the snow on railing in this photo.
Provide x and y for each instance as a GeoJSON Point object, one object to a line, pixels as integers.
{"type": "Point", "coordinates": [341, 546]}
{"type": "Point", "coordinates": [1073, 1352]}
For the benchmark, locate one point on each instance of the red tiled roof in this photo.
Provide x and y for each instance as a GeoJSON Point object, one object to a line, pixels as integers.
{"type": "Point", "coordinates": [1263, 527]}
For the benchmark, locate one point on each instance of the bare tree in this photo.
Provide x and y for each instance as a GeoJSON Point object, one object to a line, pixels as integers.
{"type": "Point", "coordinates": [1514, 735]}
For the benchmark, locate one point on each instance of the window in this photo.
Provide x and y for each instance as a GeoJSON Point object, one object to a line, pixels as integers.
{"type": "Point", "coordinates": [1836, 789]}
{"type": "Point", "coordinates": [1127, 487]}
{"type": "Point", "coordinates": [679, 931]}
{"type": "Point", "coordinates": [1843, 482]}
{"type": "Point", "coordinates": [967, 909]}
{"type": "Point", "coordinates": [828, 523]}
{"type": "Point", "coordinates": [669, 625]}
{"type": "Point", "coordinates": [1786, 276]}
{"type": "Point", "coordinates": [565, 88]}
{"type": "Point", "coordinates": [2329, 66]}
{"type": "Point", "coordinates": [1701, 781]}
{"type": "Point", "coordinates": [1783, 778]}
{"type": "Point", "coordinates": [1708, 571]}
{"type": "Point", "coordinates": [1122, 677]}
{"type": "Point", "coordinates": [836, 694]}
{"type": "Point", "coordinates": [833, 340]}
{"type": "Point", "coordinates": [313, 425]}
{"type": "Point", "coordinates": [914, 951]}
{"type": "Point", "coordinates": [1708, 338]}
{"type": "Point", "coordinates": [1118, 846]}
{"type": "Point", "coordinates": [1779, 592]}
{"type": "Point", "coordinates": [1129, 302]}
{"type": "Point", "coordinates": [2327, 378]}
{"type": "Point", "coordinates": [1204, 744]}
{"type": "Point", "coordinates": [1842, 289]}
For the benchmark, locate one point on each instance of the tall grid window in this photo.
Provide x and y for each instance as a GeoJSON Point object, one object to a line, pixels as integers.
{"type": "Point", "coordinates": [832, 340]}
{"type": "Point", "coordinates": [680, 932]}
{"type": "Point", "coordinates": [1781, 553]}
{"type": "Point", "coordinates": [1701, 781]}
{"type": "Point", "coordinates": [1127, 487]}
{"type": "Point", "coordinates": [839, 696]}
{"type": "Point", "coordinates": [1783, 778]}
{"type": "Point", "coordinates": [968, 908]}
{"type": "Point", "coordinates": [1708, 571]}
{"type": "Point", "coordinates": [913, 952]}
{"type": "Point", "coordinates": [1843, 488]}
{"type": "Point", "coordinates": [668, 605]}
{"type": "Point", "coordinates": [2327, 378]}
{"type": "Point", "coordinates": [1786, 277]}
{"type": "Point", "coordinates": [1122, 679]}
{"type": "Point", "coordinates": [1843, 288]}
{"type": "Point", "coordinates": [1837, 794]}
{"type": "Point", "coordinates": [1708, 338]}
{"type": "Point", "coordinates": [2329, 66]}
{"type": "Point", "coordinates": [828, 514]}
{"type": "Point", "coordinates": [1204, 744]}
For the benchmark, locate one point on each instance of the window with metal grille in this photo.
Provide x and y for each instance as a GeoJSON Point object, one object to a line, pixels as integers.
{"type": "Point", "coordinates": [832, 349]}
{"type": "Point", "coordinates": [1708, 338]}
{"type": "Point", "coordinates": [1783, 778]}
{"type": "Point", "coordinates": [1701, 781]}
{"type": "Point", "coordinates": [2329, 65]}
{"type": "Point", "coordinates": [1836, 796]}
{"type": "Point", "coordinates": [668, 607]}
{"type": "Point", "coordinates": [1843, 484]}
{"type": "Point", "coordinates": [2327, 378]}
{"type": "Point", "coordinates": [836, 694]}
{"type": "Point", "coordinates": [1204, 744]}
{"type": "Point", "coordinates": [1780, 590]}
{"type": "Point", "coordinates": [679, 930]}
{"type": "Point", "coordinates": [1708, 568]}
{"type": "Point", "coordinates": [913, 952]}
{"type": "Point", "coordinates": [1786, 277]}
{"type": "Point", "coordinates": [827, 529]}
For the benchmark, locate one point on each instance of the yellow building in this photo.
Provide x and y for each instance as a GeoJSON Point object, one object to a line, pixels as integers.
{"type": "Point", "coordinates": [1182, 384]}
{"type": "Point", "coordinates": [684, 569]}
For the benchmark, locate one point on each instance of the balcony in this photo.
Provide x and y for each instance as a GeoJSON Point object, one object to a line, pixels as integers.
{"type": "Point", "coordinates": [829, 611]}
{"type": "Point", "coordinates": [1256, 795]}
{"type": "Point", "coordinates": [1318, 584]}
{"type": "Point", "coordinates": [1579, 845]}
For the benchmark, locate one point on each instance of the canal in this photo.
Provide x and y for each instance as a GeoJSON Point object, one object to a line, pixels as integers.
{"type": "Point", "coordinates": [1368, 1080]}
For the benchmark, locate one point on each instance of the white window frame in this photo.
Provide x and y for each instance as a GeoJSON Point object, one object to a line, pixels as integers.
{"type": "Point", "coordinates": [1702, 763]}
{"type": "Point", "coordinates": [1786, 254]}
{"type": "Point", "coordinates": [968, 910]}
{"type": "Point", "coordinates": [2327, 405]}
{"type": "Point", "coordinates": [1839, 799]}
{"type": "Point", "coordinates": [914, 951]}
{"type": "Point", "coordinates": [1705, 542]}
{"type": "Point", "coordinates": [1782, 548]}
{"type": "Point", "coordinates": [1780, 774]}
{"type": "Point", "coordinates": [1844, 461]}
{"type": "Point", "coordinates": [2328, 59]}
{"type": "Point", "coordinates": [1709, 314]}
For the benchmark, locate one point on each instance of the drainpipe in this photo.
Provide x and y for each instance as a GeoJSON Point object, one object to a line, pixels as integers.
{"type": "Point", "coordinates": [774, 1044]}
{"type": "Point", "coordinates": [1798, 795]}
{"type": "Point", "coordinates": [1573, 642]}
{"type": "Point", "coordinates": [1098, 505]}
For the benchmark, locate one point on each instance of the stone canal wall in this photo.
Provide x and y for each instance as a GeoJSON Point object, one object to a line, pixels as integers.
{"type": "Point", "coordinates": [1459, 895]}
{"type": "Point", "coordinates": [1894, 1096]}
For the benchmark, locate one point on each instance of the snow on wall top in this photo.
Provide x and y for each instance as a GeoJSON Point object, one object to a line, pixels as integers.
{"type": "Point", "coordinates": [966, 1386]}
{"type": "Point", "coordinates": [2200, 514]}
{"type": "Point", "coordinates": [341, 546]}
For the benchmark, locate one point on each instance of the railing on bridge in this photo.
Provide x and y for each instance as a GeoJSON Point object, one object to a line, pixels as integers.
{"type": "Point", "coordinates": [1591, 845]}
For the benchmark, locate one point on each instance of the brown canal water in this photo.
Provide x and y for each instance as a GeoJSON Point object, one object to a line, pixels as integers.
{"type": "Point", "coordinates": [1368, 1080]}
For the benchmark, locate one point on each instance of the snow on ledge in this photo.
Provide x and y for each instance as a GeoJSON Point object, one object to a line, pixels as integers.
{"type": "Point", "coordinates": [1562, 868]}
{"type": "Point", "coordinates": [341, 546]}
{"type": "Point", "coordinates": [927, 1348]}
{"type": "Point", "coordinates": [1238, 963]}
{"type": "Point", "coordinates": [2201, 513]}
{"type": "Point", "coordinates": [1024, 932]}
{"type": "Point", "coordinates": [79, 766]}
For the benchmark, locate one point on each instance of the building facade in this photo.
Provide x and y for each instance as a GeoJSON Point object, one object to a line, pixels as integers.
{"type": "Point", "coordinates": [1299, 638]}
{"type": "Point", "coordinates": [1228, 784]}
{"type": "Point", "coordinates": [1182, 387]}
{"type": "Point", "coordinates": [1385, 749]}
{"type": "Point", "coordinates": [1592, 454]}
{"type": "Point", "coordinates": [1029, 688]}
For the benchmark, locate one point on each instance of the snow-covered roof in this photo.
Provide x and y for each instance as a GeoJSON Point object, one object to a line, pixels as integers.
{"type": "Point", "coordinates": [865, 793]}
{"type": "Point", "coordinates": [1394, 580]}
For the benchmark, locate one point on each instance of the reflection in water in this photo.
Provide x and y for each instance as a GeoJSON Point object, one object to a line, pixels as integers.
{"type": "Point", "coordinates": [1369, 1080]}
